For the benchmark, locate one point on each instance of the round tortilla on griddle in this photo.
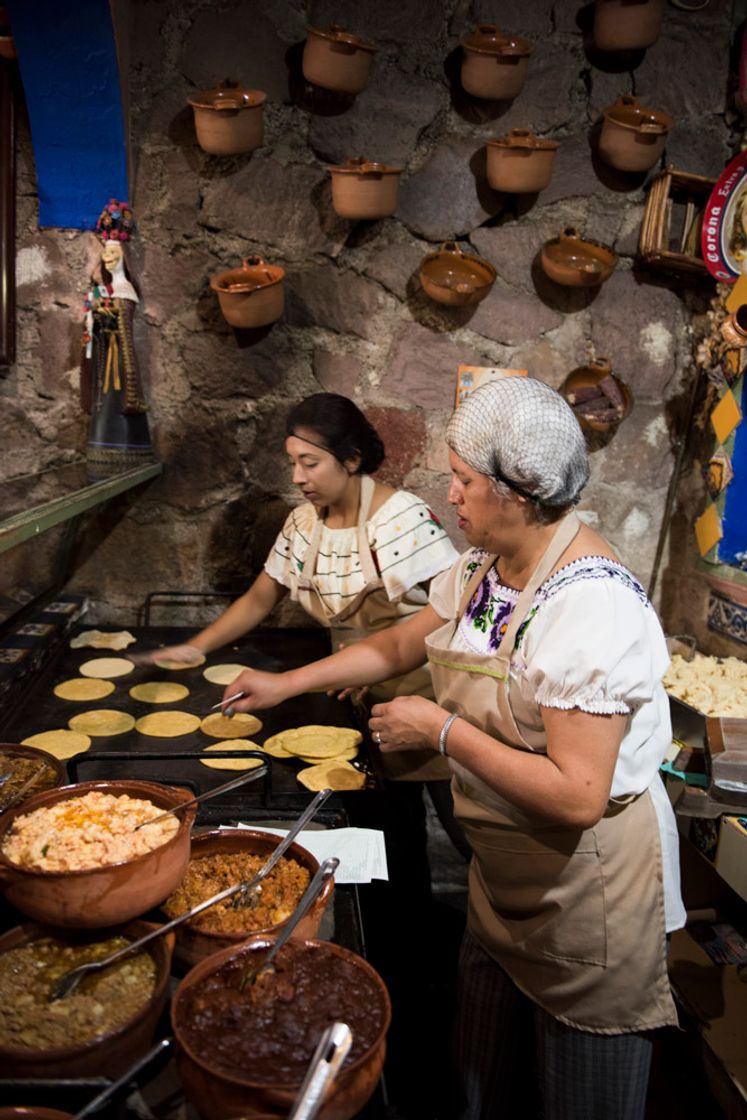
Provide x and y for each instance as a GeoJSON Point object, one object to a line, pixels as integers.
{"type": "Point", "coordinates": [102, 721]}
{"type": "Point", "coordinates": [159, 692]}
{"type": "Point", "coordinates": [106, 667]}
{"type": "Point", "coordinates": [331, 775]}
{"type": "Point", "coordinates": [102, 639]}
{"type": "Point", "coordinates": [315, 741]}
{"type": "Point", "coordinates": [60, 743]}
{"type": "Point", "coordinates": [83, 688]}
{"type": "Point", "coordinates": [167, 725]}
{"type": "Point", "coordinates": [175, 666]}
{"type": "Point", "coordinates": [233, 763]}
{"type": "Point", "coordinates": [219, 726]}
{"type": "Point", "coordinates": [223, 674]}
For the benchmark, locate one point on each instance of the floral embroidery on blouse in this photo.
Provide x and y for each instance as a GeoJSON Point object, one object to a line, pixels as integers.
{"type": "Point", "coordinates": [490, 608]}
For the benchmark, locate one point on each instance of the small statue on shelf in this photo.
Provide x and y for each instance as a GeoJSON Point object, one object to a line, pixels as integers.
{"type": "Point", "coordinates": [111, 387]}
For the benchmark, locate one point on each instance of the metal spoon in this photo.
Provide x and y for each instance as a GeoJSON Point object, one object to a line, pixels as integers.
{"type": "Point", "coordinates": [331, 1052]}
{"type": "Point", "coordinates": [325, 872]}
{"type": "Point", "coordinates": [233, 784]}
{"type": "Point", "coordinates": [246, 896]}
{"type": "Point", "coordinates": [102, 1097]}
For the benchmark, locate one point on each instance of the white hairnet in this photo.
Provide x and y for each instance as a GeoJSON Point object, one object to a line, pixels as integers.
{"type": "Point", "coordinates": [521, 431]}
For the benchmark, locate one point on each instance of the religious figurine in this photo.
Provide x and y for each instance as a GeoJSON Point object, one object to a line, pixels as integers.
{"type": "Point", "coordinates": [111, 387]}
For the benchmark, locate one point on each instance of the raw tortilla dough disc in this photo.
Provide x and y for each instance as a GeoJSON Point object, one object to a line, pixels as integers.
{"type": "Point", "coordinates": [106, 667]}
{"type": "Point", "coordinates": [174, 666]}
{"type": "Point", "coordinates": [223, 674]}
{"type": "Point", "coordinates": [159, 692]}
{"type": "Point", "coordinates": [233, 763]}
{"type": "Point", "coordinates": [61, 743]}
{"type": "Point", "coordinates": [318, 742]}
{"type": "Point", "coordinates": [167, 725]}
{"type": "Point", "coordinates": [102, 639]}
{"type": "Point", "coordinates": [219, 726]}
{"type": "Point", "coordinates": [331, 775]}
{"type": "Point", "coordinates": [83, 688]}
{"type": "Point", "coordinates": [102, 721]}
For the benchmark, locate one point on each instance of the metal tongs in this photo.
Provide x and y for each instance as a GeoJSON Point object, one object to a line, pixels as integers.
{"type": "Point", "coordinates": [329, 1055]}
{"type": "Point", "coordinates": [245, 896]}
{"type": "Point", "coordinates": [243, 779]}
{"type": "Point", "coordinates": [326, 871]}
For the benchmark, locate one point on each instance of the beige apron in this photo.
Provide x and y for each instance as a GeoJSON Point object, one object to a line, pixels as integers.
{"type": "Point", "coordinates": [371, 610]}
{"type": "Point", "coordinates": [576, 917]}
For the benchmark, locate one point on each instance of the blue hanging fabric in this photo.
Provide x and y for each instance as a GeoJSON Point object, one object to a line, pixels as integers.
{"type": "Point", "coordinates": [68, 63]}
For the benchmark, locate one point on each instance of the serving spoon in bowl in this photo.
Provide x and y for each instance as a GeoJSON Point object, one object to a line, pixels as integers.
{"type": "Point", "coordinates": [66, 984]}
{"type": "Point", "coordinates": [243, 779]}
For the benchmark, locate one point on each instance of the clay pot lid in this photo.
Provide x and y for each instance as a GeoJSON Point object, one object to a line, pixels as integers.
{"type": "Point", "coordinates": [628, 112]}
{"type": "Point", "coordinates": [450, 267]}
{"type": "Point", "coordinates": [228, 95]}
{"type": "Point", "coordinates": [487, 39]}
{"type": "Point", "coordinates": [523, 138]}
{"type": "Point", "coordinates": [361, 166]}
{"type": "Point", "coordinates": [571, 249]}
{"type": "Point", "coordinates": [254, 273]}
{"type": "Point", "coordinates": [336, 34]}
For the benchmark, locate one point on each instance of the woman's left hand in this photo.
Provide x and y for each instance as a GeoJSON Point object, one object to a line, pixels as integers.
{"type": "Point", "coordinates": [406, 723]}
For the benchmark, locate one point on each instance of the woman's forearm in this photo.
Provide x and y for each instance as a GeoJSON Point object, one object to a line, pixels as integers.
{"type": "Point", "coordinates": [242, 616]}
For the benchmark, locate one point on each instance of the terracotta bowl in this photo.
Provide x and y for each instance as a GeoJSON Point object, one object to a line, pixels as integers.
{"type": "Point", "coordinates": [336, 59]}
{"type": "Point", "coordinates": [108, 1055]}
{"type": "Point", "coordinates": [193, 943]}
{"type": "Point", "coordinates": [364, 190]}
{"type": "Point", "coordinates": [620, 25]}
{"type": "Point", "coordinates": [633, 136]}
{"type": "Point", "coordinates": [99, 896]}
{"type": "Point", "coordinates": [589, 377]}
{"type": "Point", "coordinates": [216, 1094]}
{"type": "Point", "coordinates": [494, 65]}
{"type": "Point", "coordinates": [52, 779]}
{"type": "Point", "coordinates": [456, 278]}
{"type": "Point", "coordinates": [571, 260]}
{"type": "Point", "coordinates": [250, 296]}
{"type": "Point", "coordinates": [228, 120]}
{"type": "Point", "coordinates": [520, 162]}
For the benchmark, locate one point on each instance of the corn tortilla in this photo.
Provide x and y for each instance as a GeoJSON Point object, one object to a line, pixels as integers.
{"type": "Point", "coordinates": [223, 674]}
{"type": "Point", "coordinates": [319, 742]}
{"type": "Point", "coordinates": [331, 775]}
{"type": "Point", "coordinates": [102, 639]}
{"type": "Point", "coordinates": [167, 725]}
{"type": "Point", "coordinates": [159, 692]}
{"type": "Point", "coordinates": [102, 721]}
{"type": "Point", "coordinates": [83, 688]}
{"type": "Point", "coordinates": [106, 667]}
{"type": "Point", "coordinates": [274, 747]}
{"type": "Point", "coordinates": [59, 743]}
{"type": "Point", "coordinates": [219, 726]}
{"type": "Point", "coordinates": [174, 666]}
{"type": "Point", "coordinates": [233, 763]}
{"type": "Point", "coordinates": [344, 756]}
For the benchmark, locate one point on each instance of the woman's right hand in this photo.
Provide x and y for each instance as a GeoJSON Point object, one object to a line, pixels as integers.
{"type": "Point", "coordinates": [184, 654]}
{"type": "Point", "coordinates": [261, 690]}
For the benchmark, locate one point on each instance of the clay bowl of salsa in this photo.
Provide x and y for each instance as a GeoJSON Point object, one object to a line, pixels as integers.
{"type": "Point", "coordinates": [29, 771]}
{"type": "Point", "coordinates": [221, 858]}
{"type": "Point", "coordinates": [247, 1052]}
{"type": "Point", "coordinates": [107, 893]}
{"type": "Point", "coordinates": [101, 1029]}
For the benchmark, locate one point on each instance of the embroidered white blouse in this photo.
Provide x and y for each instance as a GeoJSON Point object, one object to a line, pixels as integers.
{"type": "Point", "coordinates": [408, 543]}
{"type": "Point", "coordinates": [591, 641]}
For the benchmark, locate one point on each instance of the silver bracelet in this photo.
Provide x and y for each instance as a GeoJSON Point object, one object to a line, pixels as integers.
{"type": "Point", "coordinates": [444, 734]}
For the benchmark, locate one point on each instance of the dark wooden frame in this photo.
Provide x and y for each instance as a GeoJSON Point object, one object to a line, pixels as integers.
{"type": "Point", "coordinates": [7, 212]}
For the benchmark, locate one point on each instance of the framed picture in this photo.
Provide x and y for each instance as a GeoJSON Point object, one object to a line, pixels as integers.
{"type": "Point", "coordinates": [470, 378]}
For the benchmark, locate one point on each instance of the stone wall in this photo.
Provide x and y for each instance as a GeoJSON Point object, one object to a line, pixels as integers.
{"type": "Point", "coordinates": [356, 321]}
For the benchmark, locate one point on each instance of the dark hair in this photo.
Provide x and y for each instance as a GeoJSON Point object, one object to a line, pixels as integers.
{"type": "Point", "coordinates": [342, 429]}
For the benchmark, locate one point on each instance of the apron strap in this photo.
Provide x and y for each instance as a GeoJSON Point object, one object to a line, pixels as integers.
{"type": "Point", "coordinates": [473, 583]}
{"type": "Point", "coordinates": [368, 566]}
{"type": "Point", "coordinates": [306, 574]}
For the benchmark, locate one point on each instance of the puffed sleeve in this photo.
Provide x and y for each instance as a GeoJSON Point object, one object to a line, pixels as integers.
{"type": "Point", "coordinates": [597, 646]}
{"type": "Point", "coordinates": [410, 543]}
{"type": "Point", "coordinates": [286, 556]}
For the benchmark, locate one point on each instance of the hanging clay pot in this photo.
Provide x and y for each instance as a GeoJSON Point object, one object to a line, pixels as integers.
{"type": "Point", "coordinates": [336, 59]}
{"type": "Point", "coordinates": [250, 296]}
{"type": "Point", "coordinates": [632, 136]}
{"type": "Point", "coordinates": [520, 162]}
{"type": "Point", "coordinates": [570, 260]}
{"type": "Point", "coordinates": [626, 25]}
{"type": "Point", "coordinates": [362, 189]}
{"type": "Point", "coordinates": [228, 120]}
{"type": "Point", "coordinates": [456, 278]}
{"type": "Point", "coordinates": [494, 66]}
{"type": "Point", "coordinates": [600, 399]}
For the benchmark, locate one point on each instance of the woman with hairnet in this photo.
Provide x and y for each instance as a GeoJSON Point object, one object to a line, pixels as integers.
{"type": "Point", "coordinates": [547, 661]}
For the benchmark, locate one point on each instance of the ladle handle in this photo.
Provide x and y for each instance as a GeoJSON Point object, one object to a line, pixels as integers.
{"type": "Point", "coordinates": [243, 779]}
{"type": "Point", "coordinates": [309, 812]}
{"type": "Point", "coordinates": [110, 1090]}
{"type": "Point", "coordinates": [325, 872]}
{"type": "Point", "coordinates": [331, 1052]}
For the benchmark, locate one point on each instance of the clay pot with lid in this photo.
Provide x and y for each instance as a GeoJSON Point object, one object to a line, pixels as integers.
{"type": "Point", "coordinates": [625, 25]}
{"type": "Point", "coordinates": [494, 65]}
{"type": "Point", "coordinates": [520, 162]}
{"type": "Point", "coordinates": [250, 296]}
{"type": "Point", "coordinates": [456, 278]}
{"type": "Point", "coordinates": [599, 398]}
{"type": "Point", "coordinates": [575, 262]}
{"type": "Point", "coordinates": [336, 59]}
{"type": "Point", "coordinates": [633, 136]}
{"type": "Point", "coordinates": [362, 189]}
{"type": "Point", "coordinates": [228, 119]}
